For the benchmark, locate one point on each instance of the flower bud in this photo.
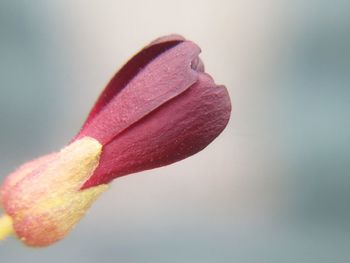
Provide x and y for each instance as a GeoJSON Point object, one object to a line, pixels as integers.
{"type": "Point", "coordinates": [159, 108]}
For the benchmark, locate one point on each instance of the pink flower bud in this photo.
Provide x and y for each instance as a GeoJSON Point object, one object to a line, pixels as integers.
{"type": "Point", "coordinates": [158, 109]}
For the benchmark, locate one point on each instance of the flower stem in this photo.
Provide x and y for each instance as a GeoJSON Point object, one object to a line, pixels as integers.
{"type": "Point", "coordinates": [6, 228]}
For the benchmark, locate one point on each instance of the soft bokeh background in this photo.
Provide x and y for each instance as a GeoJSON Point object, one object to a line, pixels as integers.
{"type": "Point", "coordinates": [274, 187]}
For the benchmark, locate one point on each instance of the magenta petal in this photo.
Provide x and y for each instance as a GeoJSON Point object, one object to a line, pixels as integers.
{"type": "Point", "coordinates": [173, 37]}
{"type": "Point", "coordinates": [130, 69]}
{"type": "Point", "coordinates": [179, 128]}
{"type": "Point", "coordinates": [156, 82]}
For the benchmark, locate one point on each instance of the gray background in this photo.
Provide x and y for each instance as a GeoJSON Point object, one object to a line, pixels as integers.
{"type": "Point", "coordinates": [274, 187]}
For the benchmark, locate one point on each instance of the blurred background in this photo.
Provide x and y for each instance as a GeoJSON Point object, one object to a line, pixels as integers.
{"type": "Point", "coordinates": [274, 187]}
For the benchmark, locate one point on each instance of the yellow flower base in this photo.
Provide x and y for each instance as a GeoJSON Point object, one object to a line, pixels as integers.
{"type": "Point", "coordinates": [5, 227]}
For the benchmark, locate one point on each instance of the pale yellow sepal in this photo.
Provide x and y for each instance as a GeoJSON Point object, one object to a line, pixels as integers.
{"type": "Point", "coordinates": [46, 204]}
